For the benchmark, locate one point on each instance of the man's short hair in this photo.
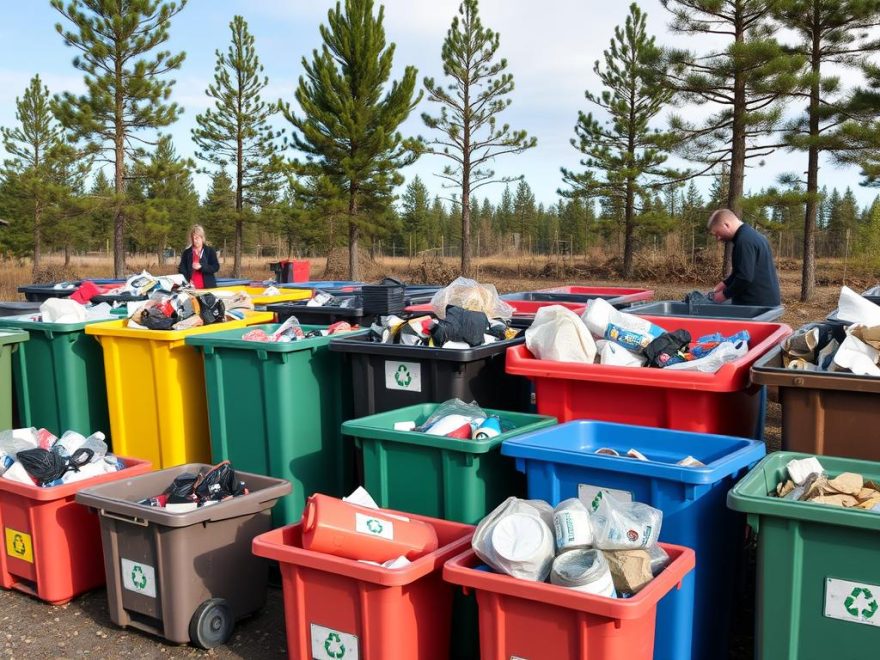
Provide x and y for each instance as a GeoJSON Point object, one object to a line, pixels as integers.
{"type": "Point", "coordinates": [719, 216]}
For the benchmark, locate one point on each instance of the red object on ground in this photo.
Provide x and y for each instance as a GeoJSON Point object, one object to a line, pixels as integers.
{"type": "Point", "coordinates": [724, 403]}
{"type": "Point", "coordinates": [375, 612]}
{"type": "Point", "coordinates": [52, 545]}
{"type": "Point", "coordinates": [526, 619]}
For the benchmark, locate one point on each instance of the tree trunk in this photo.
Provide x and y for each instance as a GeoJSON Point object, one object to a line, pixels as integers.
{"type": "Point", "coordinates": [737, 150]}
{"type": "Point", "coordinates": [239, 206]}
{"type": "Point", "coordinates": [38, 216]}
{"type": "Point", "coordinates": [66, 254]}
{"type": "Point", "coordinates": [808, 274]}
{"type": "Point", "coordinates": [354, 272]}
{"type": "Point", "coordinates": [628, 229]}
{"type": "Point", "coordinates": [119, 173]}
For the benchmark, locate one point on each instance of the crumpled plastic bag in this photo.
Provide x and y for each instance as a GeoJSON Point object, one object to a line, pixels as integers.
{"type": "Point", "coordinates": [630, 331]}
{"type": "Point", "coordinates": [517, 540]}
{"type": "Point", "coordinates": [857, 356]}
{"type": "Point", "coordinates": [468, 412]}
{"type": "Point", "coordinates": [471, 295]}
{"type": "Point", "coordinates": [62, 310]}
{"type": "Point", "coordinates": [615, 355]}
{"type": "Point", "coordinates": [853, 308]}
{"type": "Point", "coordinates": [725, 352]}
{"type": "Point", "coordinates": [557, 333]}
{"type": "Point", "coordinates": [620, 525]}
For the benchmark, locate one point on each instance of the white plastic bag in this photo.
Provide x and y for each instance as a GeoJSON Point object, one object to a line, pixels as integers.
{"type": "Point", "coordinates": [857, 356]}
{"type": "Point", "coordinates": [471, 295]}
{"type": "Point", "coordinates": [632, 332]}
{"type": "Point", "coordinates": [516, 539]}
{"type": "Point", "coordinates": [616, 355]}
{"type": "Point", "coordinates": [62, 310]}
{"type": "Point", "coordinates": [722, 354]}
{"type": "Point", "coordinates": [854, 308]}
{"type": "Point", "coordinates": [557, 333]}
{"type": "Point", "coordinates": [619, 525]}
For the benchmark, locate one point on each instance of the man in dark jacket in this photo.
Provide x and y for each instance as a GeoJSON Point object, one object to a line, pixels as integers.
{"type": "Point", "coordinates": [752, 280]}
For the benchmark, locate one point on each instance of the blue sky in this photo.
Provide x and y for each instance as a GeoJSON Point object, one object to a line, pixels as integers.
{"type": "Point", "coordinates": [550, 45]}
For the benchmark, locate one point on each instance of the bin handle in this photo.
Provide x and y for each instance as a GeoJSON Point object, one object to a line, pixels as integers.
{"type": "Point", "coordinates": [134, 521]}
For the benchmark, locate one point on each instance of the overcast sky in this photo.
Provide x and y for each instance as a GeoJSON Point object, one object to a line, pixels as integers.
{"type": "Point", "coordinates": [550, 46]}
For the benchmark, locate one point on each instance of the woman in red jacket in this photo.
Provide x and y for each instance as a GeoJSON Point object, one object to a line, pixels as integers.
{"type": "Point", "coordinates": [198, 263]}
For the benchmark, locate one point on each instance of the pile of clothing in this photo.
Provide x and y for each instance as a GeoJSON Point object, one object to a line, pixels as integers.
{"type": "Point", "coordinates": [605, 335]}
{"type": "Point", "coordinates": [184, 310]}
{"type": "Point", "coordinates": [816, 347]}
{"type": "Point", "coordinates": [192, 490]}
{"type": "Point", "coordinates": [808, 482]}
{"type": "Point", "coordinates": [36, 457]}
{"type": "Point", "coordinates": [291, 330]}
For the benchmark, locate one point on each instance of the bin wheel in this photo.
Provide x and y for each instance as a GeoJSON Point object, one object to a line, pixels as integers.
{"type": "Point", "coordinates": [212, 624]}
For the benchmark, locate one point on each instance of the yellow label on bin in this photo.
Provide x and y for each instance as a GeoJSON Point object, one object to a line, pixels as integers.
{"type": "Point", "coordinates": [18, 545]}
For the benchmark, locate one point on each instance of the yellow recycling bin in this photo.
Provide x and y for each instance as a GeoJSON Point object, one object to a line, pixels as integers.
{"type": "Point", "coordinates": [156, 390]}
{"type": "Point", "coordinates": [259, 297]}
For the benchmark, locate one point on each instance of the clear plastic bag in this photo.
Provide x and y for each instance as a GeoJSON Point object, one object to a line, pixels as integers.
{"type": "Point", "coordinates": [473, 296]}
{"type": "Point", "coordinates": [517, 540]}
{"type": "Point", "coordinates": [454, 408]}
{"type": "Point", "coordinates": [620, 525]}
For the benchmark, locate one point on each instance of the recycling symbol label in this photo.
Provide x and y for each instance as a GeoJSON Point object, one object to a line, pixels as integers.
{"type": "Point", "coordinates": [19, 545]}
{"type": "Point", "coordinates": [139, 578]}
{"type": "Point", "coordinates": [403, 376]}
{"type": "Point", "coordinates": [330, 644]}
{"type": "Point", "coordinates": [852, 601]}
{"type": "Point", "coordinates": [373, 526]}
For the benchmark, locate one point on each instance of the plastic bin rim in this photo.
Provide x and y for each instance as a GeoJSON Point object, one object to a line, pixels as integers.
{"type": "Point", "coordinates": [302, 304]}
{"type": "Point", "coordinates": [25, 322]}
{"type": "Point", "coordinates": [457, 571]}
{"type": "Point", "coordinates": [119, 328]}
{"type": "Point", "coordinates": [271, 546]}
{"type": "Point", "coordinates": [13, 336]}
{"type": "Point", "coordinates": [133, 467]}
{"type": "Point", "coordinates": [521, 362]}
{"type": "Point", "coordinates": [221, 339]}
{"type": "Point", "coordinates": [764, 505]}
{"type": "Point", "coordinates": [359, 428]}
{"type": "Point", "coordinates": [747, 454]}
{"type": "Point", "coordinates": [763, 374]}
{"type": "Point", "coordinates": [401, 352]}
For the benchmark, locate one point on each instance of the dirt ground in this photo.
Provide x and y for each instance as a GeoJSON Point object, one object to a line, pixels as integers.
{"type": "Point", "coordinates": [31, 629]}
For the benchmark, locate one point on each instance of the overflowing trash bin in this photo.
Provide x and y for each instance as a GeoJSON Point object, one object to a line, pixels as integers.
{"type": "Point", "coordinates": [528, 619]}
{"type": "Point", "coordinates": [818, 579]}
{"type": "Point", "coordinates": [52, 545]}
{"type": "Point", "coordinates": [42, 292]}
{"type": "Point", "coordinates": [156, 390]}
{"type": "Point", "coordinates": [722, 402]}
{"type": "Point", "coordinates": [338, 607]}
{"type": "Point", "coordinates": [684, 475]}
{"type": "Point", "coordinates": [10, 340]}
{"type": "Point", "coordinates": [188, 574]}
{"type": "Point", "coordinates": [276, 409]}
{"type": "Point", "coordinates": [262, 296]}
{"type": "Point", "coordinates": [459, 479]}
{"type": "Point", "coordinates": [710, 311]}
{"type": "Point", "coordinates": [58, 375]}
{"type": "Point", "coordinates": [290, 270]}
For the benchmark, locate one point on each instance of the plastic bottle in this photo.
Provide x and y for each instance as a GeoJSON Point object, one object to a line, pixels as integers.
{"type": "Point", "coordinates": [583, 570]}
{"type": "Point", "coordinates": [630, 331]}
{"type": "Point", "coordinates": [347, 530]}
{"type": "Point", "coordinates": [96, 443]}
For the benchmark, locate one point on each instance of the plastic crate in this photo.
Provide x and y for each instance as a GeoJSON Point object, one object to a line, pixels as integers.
{"type": "Point", "coordinates": [290, 270]}
{"type": "Point", "coordinates": [321, 315]}
{"type": "Point", "coordinates": [818, 579]}
{"type": "Point", "coordinates": [374, 612]}
{"type": "Point", "coordinates": [526, 619]}
{"type": "Point", "coordinates": [560, 462]}
{"type": "Point", "coordinates": [460, 480]}
{"type": "Point", "coordinates": [633, 294]}
{"type": "Point", "coordinates": [52, 545]}
{"type": "Point", "coordinates": [710, 311]}
{"type": "Point", "coordinates": [156, 390]}
{"type": "Point", "coordinates": [385, 298]}
{"type": "Point", "coordinates": [617, 297]}
{"type": "Point", "coordinates": [825, 413]}
{"type": "Point", "coordinates": [276, 409]}
{"type": "Point", "coordinates": [58, 375]}
{"type": "Point", "coordinates": [187, 577]}
{"type": "Point", "coordinates": [723, 402]}
{"type": "Point", "coordinates": [390, 376]}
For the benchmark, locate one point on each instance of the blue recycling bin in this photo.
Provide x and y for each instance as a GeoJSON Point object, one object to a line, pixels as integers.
{"type": "Point", "coordinates": [561, 462]}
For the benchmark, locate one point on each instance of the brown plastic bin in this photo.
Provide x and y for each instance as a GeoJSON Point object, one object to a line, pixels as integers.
{"type": "Point", "coordinates": [187, 577]}
{"type": "Point", "coordinates": [824, 413]}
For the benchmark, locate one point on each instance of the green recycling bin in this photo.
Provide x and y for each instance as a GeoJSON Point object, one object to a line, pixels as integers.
{"type": "Point", "coordinates": [449, 478]}
{"type": "Point", "coordinates": [276, 409]}
{"type": "Point", "coordinates": [818, 591]}
{"type": "Point", "coordinates": [10, 340]}
{"type": "Point", "coordinates": [59, 377]}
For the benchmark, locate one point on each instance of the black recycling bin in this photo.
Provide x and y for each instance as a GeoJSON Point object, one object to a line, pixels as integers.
{"type": "Point", "coordinates": [708, 311]}
{"type": "Point", "coordinates": [321, 314]}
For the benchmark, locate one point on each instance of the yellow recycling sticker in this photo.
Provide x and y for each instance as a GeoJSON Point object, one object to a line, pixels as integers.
{"type": "Point", "coordinates": [18, 545]}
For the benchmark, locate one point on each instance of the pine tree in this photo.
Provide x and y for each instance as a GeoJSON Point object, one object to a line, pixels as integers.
{"type": "Point", "coordinates": [478, 92]}
{"type": "Point", "coordinates": [524, 211]}
{"type": "Point", "coordinates": [830, 33]}
{"type": "Point", "coordinates": [745, 76]}
{"type": "Point", "coordinates": [218, 209]}
{"type": "Point", "coordinates": [102, 203]}
{"type": "Point", "coordinates": [503, 219]}
{"type": "Point", "coordinates": [624, 156]}
{"type": "Point", "coordinates": [39, 155]}
{"type": "Point", "coordinates": [349, 126]}
{"type": "Point", "coordinates": [127, 91]}
{"type": "Point", "coordinates": [415, 215]}
{"type": "Point", "coordinates": [236, 131]}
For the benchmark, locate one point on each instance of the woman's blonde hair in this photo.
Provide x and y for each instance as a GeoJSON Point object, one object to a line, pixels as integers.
{"type": "Point", "coordinates": [197, 230]}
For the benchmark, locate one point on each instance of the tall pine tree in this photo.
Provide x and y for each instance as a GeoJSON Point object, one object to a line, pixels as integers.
{"type": "Point", "coordinates": [127, 89]}
{"type": "Point", "coordinates": [349, 124]}
{"type": "Point", "coordinates": [830, 33]}
{"type": "Point", "coordinates": [236, 131]}
{"type": "Point", "coordinates": [477, 93]}
{"type": "Point", "coordinates": [624, 156]}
